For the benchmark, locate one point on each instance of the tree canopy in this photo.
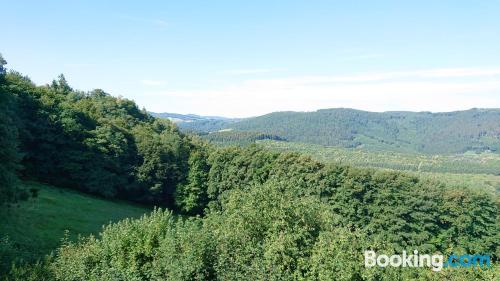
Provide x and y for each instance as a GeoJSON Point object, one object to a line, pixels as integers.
{"type": "Point", "coordinates": [475, 130]}
{"type": "Point", "coordinates": [235, 213]}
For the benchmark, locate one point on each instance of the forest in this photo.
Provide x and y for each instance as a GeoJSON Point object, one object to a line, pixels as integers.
{"type": "Point", "coordinates": [224, 212]}
{"type": "Point", "coordinates": [476, 130]}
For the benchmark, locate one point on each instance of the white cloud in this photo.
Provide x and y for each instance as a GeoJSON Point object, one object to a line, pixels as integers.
{"type": "Point", "coordinates": [80, 65]}
{"type": "Point", "coordinates": [366, 56]}
{"type": "Point", "coordinates": [421, 90]}
{"type": "Point", "coordinates": [149, 82]}
{"type": "Point", "coordinates": [459, 72]}
{"type": "Point", "coordinates": [252, 71]}
{"type": "Point", "coordinates": [373, 77]}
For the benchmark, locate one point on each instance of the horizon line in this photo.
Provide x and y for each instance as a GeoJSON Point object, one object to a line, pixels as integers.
{"type": "Point", "coordinates": [330, 108]}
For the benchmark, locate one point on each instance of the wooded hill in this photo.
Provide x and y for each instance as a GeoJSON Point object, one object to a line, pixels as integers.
{"type": "Point", "coordinates": [475, 130]}
{"type": "Point", "coordinates": [235, 213]}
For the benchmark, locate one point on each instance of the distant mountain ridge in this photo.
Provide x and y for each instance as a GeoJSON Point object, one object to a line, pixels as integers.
{"type": "Point", "coordinates": [447, 132]}
{"type": "Point", "coordinates": [196, 123]}
{"type": "Point", "coordinates": [186, 117]}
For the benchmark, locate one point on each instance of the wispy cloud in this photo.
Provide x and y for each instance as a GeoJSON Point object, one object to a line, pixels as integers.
{"type": "Point", "coordinates": [358, 53]}
{"type": "Point", "coordinates": [252, 71]}
{"type": "Point", "coordinates": [418, 90]}
{"type": "Point", "coordinates": [80, 65]}
{"type": "Point", "coordinates": [383, 76]}
{"type": "Point", "coordinates": [149, 82]}
{"type": "Point", "coordinates": [459, 72]}
{"type": "Point", "coordinates": [362, 57]}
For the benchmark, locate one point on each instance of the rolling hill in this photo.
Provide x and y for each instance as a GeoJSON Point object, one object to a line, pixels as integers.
{"type": "Point", "coordinates": [196, 123]}
{"type": "Point", "coordinates": [35, 227]}
{"type": "Point", "coordinates": [175, 117]}
{"type": "Point", "coordinates": [475, 130]}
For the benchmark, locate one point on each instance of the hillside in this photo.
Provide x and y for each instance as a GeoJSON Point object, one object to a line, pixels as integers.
{"type": "Point", "coordinates": [475, 171]}
{"type": "Point", "coordinates": [36, 227]}
{"type": "Point", "coordinates": [88, 141]}
{"type": "Point", "coordinates": [196, 123]}
{"type": "Point", "coordinates": [294, 216]}
{"type": "Point", "coordinates": [434, 133]}
{"type": "Point", "coordinates": [234, 213]}
{"type": "Point", "coordinates": [466, 163]}
{"type": "Point", "coordinates": [177, 118]}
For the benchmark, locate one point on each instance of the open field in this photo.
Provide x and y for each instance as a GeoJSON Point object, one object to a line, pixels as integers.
{"type": "Point", "coordinates": [36, 227]}
{"type": "Point", "coordinates": [478, 171]}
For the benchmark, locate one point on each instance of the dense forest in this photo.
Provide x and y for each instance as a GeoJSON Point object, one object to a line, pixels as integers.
{"type": "Point", "coordinates": [88, 141]}
{"type": "Point", "coordinates": [228, 138]}
{"type": "Point", "coordinates": [233, 213]}
{"type": "Point", "coordinates": [451, 132]}
{"type": "Point", "coordinates": [465, 163]}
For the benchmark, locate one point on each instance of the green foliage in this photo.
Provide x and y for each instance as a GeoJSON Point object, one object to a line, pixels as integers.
{"type": "Point", "coordinates": [9, 154]}
{"type": "Point", "coordinates": [163, 161]}
{"type": "Point", "coordinates": [37, 271]}
{"type": "Point", "coordinates": [238, 137]}
{"type": "Point", "coordinates": [35, 227]}
{"type": "Point", "coordinates": [466, 163]}
{"type": "Point", "coordinates": [157, 247]}
{"type": "Point", "coordinates": [8, 253]}
{"type": "Point", "coordinates": [252, 214]}
{"type": "Point", "coordinates": [274, 232]}
{"type": "Point", "coordinates": [479, 182]}
{"type": "Point", "coordinates": [93, 142]}
{"type": "Point", "coordinates": [192, 197]}
{"type": "Point", "coordinates": [470, 170]}
{"type": "Point", "coordinates": [3, 62]}
{"type": "Point", "coordinates": [452, 132]}
{"type": "Point", "coordinates": [470, 214]}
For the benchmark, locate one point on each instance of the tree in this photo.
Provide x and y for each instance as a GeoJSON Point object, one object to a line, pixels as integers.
{"type": "Point", "coordinates": [3, 62]}
{"type": "Point", "coordinates": [9, 155]}
{"type": "Point", "coordinates": [163, 165]}
{"type": "Point", "coordinates": [192, 196]}
{"type": "Point", "coordinates": [61, 84]}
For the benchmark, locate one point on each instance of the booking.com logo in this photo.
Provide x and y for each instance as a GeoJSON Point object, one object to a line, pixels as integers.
{"type": "Point", "coordinates": [437, 262]}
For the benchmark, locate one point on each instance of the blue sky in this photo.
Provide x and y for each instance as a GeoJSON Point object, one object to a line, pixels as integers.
{"type": "Point", "coordinates": [246, 58]}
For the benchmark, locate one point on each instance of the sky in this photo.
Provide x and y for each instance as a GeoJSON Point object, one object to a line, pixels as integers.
{"type": "Point", "coordinates": [248, 58]}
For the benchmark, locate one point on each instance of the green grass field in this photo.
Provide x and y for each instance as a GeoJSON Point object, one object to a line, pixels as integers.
{"type": "Point", "coordinates": [36, 227]}
{"type": "Point", "coordinates": [476, 171]}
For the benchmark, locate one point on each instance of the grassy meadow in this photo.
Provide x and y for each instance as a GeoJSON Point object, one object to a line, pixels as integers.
{"type": "Point", "coordinates": [36, 226]}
